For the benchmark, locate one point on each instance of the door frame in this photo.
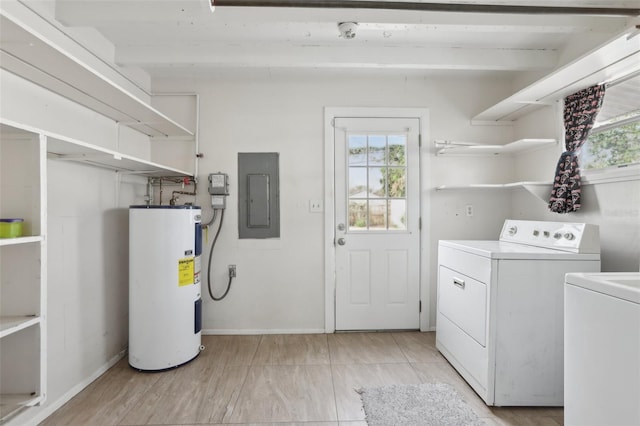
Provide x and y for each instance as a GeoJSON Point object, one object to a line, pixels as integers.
{"type": "Point", "coordinates": [330, 113]}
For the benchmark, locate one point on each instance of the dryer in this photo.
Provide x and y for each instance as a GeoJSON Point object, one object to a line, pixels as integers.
{"type": "Point", "coordinates": [500, 308]}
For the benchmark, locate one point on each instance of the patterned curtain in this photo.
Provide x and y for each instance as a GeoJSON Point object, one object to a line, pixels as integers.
{"type": "Point", "coordinates": [580, 111]}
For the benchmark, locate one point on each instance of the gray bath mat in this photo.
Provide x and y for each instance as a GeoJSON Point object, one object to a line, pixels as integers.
{"type": "Point", "coordinates": [436, 404]}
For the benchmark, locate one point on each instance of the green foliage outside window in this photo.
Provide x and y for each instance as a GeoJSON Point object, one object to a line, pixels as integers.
{"type": "Point", "coordinates": [612, 147]}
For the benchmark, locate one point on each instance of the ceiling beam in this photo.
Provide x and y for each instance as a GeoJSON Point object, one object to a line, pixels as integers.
{"type": "Point", "coordinates": [432, 7]}
{"type": "Point", "coordinates": [272, 55]}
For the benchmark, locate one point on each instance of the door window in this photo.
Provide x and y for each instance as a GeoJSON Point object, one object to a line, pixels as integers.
{"type": "Point", "coordinates": [377, 182]}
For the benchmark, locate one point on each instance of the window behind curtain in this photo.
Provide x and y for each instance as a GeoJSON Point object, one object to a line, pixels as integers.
{"type": "Point", "coordinates": [615, 138]}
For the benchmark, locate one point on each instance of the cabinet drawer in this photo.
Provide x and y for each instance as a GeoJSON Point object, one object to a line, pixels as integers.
{"type": "Point", "coordinates": [472, 265]}
{"type": "Point", "coordinates": [463, 300]}
{"type": "Point", "coordinates": [469, 358]}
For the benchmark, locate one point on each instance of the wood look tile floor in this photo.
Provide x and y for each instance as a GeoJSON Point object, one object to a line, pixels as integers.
{"type": "Point", "coordinates": [307, 380]}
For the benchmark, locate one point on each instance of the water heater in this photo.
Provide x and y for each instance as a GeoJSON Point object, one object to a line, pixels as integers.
{"type": "Point", "coordinates": [165, 305]}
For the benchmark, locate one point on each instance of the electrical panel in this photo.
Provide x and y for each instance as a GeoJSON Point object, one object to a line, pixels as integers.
{"type": "Point", "coordinates": [258, 195]}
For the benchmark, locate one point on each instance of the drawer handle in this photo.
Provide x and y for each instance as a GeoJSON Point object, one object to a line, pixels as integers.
{"type": "Point", "coordinates": [458, 282]}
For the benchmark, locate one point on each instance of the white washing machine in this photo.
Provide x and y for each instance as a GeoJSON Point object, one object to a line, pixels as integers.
{"type": "Point", "coordinates": [500, 308]}
{"type": "Point", "coordinates": [602, 349]}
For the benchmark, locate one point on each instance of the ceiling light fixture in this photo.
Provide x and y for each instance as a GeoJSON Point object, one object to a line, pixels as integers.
{"type": "Point", "coordinates": [347, 29]}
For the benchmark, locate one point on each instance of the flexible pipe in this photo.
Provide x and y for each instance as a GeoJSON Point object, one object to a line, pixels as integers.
{"type": "Point", "coordinates": [213, 244]}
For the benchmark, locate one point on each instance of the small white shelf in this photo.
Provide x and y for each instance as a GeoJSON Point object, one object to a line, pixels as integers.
{"type": "Point", "coordinates": [13, 324]}
{"type": "Point", "coordinates": [472, 149]}
{"type": "Point", "coordinates": [541, 190]}
{"type": "Point", "coordinates": [11, 403]}
{"type": "Point", "coordinates": [20, 240]}
{"type": "Point", "coordinates": [70, 150]}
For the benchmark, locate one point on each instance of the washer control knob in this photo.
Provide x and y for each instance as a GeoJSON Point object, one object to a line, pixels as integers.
{"type": "Point", "coordinates": [557, 235]}
{"type": "Point", "coordinates": [569, 236]}
{"type": "Point", "coordinates": [536, 232]}
{"type": "Point", "coordinates": [512, 230]}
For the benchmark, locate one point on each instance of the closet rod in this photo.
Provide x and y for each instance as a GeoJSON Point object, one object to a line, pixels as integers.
{"type": "Point", "coordinates": [432, 7]}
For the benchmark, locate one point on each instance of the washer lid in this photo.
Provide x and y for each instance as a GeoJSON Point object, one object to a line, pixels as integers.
{"type": "Point", "coordinates": [623, 285]}
{"type": "Point", "coordinates": [505, 250]}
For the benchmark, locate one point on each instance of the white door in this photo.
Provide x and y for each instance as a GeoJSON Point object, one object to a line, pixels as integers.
{"type": "Point", "coordinates": [377, 223]}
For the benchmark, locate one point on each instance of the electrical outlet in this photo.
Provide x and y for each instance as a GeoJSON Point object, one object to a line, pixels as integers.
{"type": "Point", "coordinates": [232, 271]}
{"type": "Point", "coordinates": [469, 210]}
{"type": "Point", "coordinates": [315, 206]}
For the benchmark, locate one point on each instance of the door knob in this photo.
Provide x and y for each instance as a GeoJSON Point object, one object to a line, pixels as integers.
{"type": "Point", "coordinates": [341, 227]}
{"type": "Point", "coordinates": [341, 241]}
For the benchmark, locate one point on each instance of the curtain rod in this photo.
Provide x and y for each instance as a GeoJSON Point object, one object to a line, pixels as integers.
{"type": "Point", "coordinates": [621, 79]}
{"type": "Point", "coordinates": [432, 7]}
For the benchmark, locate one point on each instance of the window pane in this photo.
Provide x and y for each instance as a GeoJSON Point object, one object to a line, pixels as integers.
{"type": "Point", "coordinates": [377, 214]}
{"type": "Point", "coordinates": [376, 182]}
{"type": "Point", "coordinates": [357, 150]}
{"type": "Point", "coordinates": [357, 215]}
{"type": "Point", "coordinates": [615, 139]}
{"type": "Point", "coordinates": [397, 150]}
{"type": "Point", "coordinates": [377, 150]}
{"type": "Point", "coordinates": [358, 182]}
{"type": "Point", "coordinates": [397, 214]}
{"type": "Point", "coordinates": [612, 147]}
{"type": "Point", "coordinates": [397, 182]}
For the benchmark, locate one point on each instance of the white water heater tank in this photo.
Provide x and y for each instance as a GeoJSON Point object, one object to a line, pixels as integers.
{"type": "Point", "coordinates": [165, 305]}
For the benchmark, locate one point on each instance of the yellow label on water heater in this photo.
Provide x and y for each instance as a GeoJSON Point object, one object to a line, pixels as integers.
{"type": "Point", "coordinates": [185, 271]}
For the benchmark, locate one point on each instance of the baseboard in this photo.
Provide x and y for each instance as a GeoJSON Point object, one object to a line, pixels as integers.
{"type": "Point", "coordinates": [29, 418]}
{"type": "Point", "coordinates": [224, 331]}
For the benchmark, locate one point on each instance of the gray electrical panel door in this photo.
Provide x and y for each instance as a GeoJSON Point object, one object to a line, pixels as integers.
{"type": "Point", "coordinates": [258, 195]}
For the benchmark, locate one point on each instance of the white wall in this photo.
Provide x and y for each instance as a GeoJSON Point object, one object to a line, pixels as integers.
{"type": "Point", "coordinates": [88, 277]}
{"type": "Point", "coordinates": [280, 284]}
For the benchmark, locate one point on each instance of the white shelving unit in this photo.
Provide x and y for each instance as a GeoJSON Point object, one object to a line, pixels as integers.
{"type": "Point", "coordinates": [43, 54]}
{"type": "Point", "coordinates": [51, 59]}
{"type": "Point", "coordinates": [542, 190]}
{"type": "Point", "coordinates": [613, 59]}
{"type": "Point", "coordinates": [23, 267]}
{"type": "Point", "coordinates": [23, 261]}
{"type": "Point", "coordinates": [475, 149]}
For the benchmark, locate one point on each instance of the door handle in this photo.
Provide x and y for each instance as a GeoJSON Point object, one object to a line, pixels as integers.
{"type": "Point", "coordinates": [341, 241]}
{"type": "Point", "coordinates": [341, 227]}
{"type": "Point", "coordinates": [458, 282]}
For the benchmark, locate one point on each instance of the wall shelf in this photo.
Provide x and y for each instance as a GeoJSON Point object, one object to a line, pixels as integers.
{"type": "Point", "coordinates": [63, 149]}
{"type": "Point", "coordinates": [12, 403]}
{"type": "Point", "coordinates": [474, 149]}
{"type": "Point", "coordinates": [617, 57]}
{"type": "Point", "coordinates": [20, 240]}
{"type": "Point", "coordinates": [49, 58]}
{"type": "Point", "coordinates": [13, 324]}
{"type": "Point", "coordinates": [541, 190]}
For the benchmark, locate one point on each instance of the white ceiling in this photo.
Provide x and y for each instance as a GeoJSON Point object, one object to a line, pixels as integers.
{"type": "Point", "coordinates": [181, 37]}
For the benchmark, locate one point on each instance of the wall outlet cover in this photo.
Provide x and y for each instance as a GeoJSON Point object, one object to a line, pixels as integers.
{"type": "Point", "coordinates": [315, 206]}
